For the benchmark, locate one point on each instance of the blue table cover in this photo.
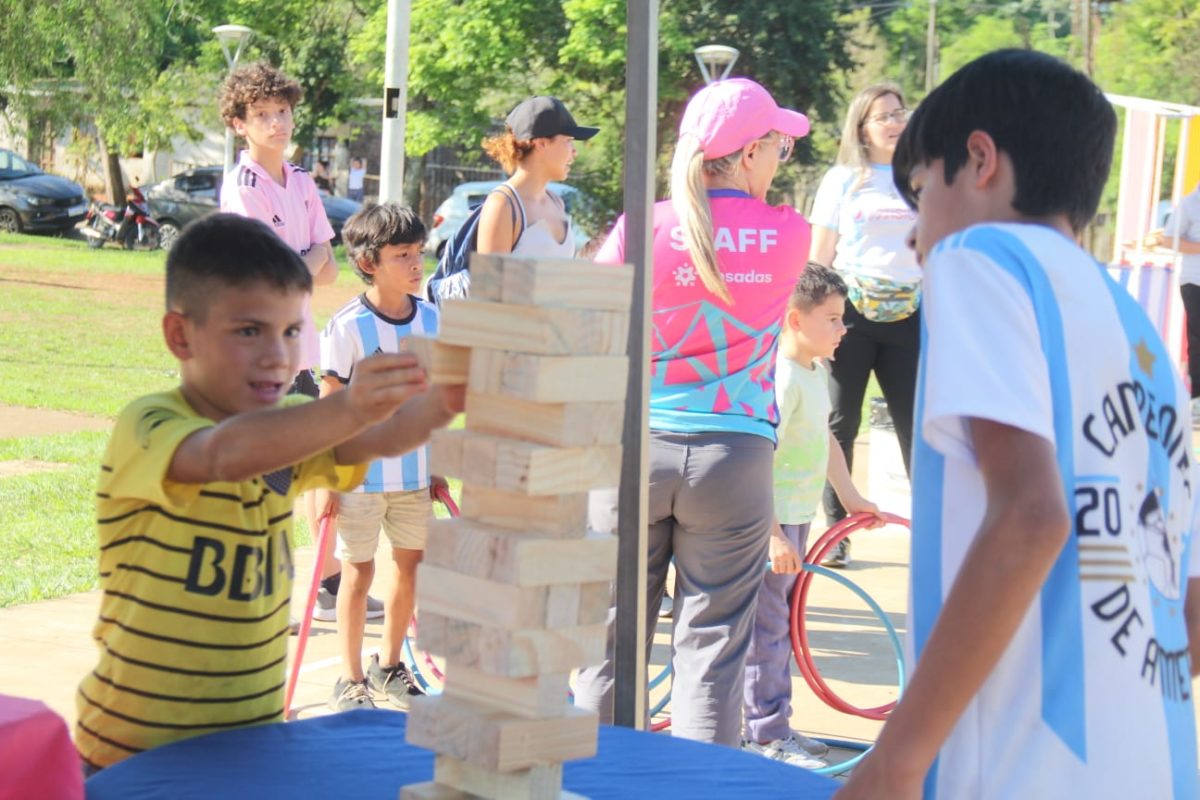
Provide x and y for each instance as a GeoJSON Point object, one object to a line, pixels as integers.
{"type": "Point", "coordinates": [362, 755]}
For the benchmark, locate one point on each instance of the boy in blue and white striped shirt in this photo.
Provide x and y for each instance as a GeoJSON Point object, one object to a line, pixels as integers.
{"type": "Point", "coordinates": [385, 245]}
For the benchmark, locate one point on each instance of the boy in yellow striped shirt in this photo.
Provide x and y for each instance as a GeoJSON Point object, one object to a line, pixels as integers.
{"type": "Point", "coordinates": [195, 497]}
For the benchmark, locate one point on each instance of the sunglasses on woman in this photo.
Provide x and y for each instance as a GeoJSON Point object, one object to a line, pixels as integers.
{"type": "Point", "coordinates": [888, 117]}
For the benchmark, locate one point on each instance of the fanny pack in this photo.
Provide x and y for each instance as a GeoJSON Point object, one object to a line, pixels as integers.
{"type": "Point", "coordinates": [881, 300]}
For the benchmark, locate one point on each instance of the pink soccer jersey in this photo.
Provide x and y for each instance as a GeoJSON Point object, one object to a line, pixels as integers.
{"type": "Point", "coordinates": [293, 211]}
{"type": "Point", "coordinates": [714, 363]}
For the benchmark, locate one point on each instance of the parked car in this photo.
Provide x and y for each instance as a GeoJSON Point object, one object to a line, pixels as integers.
{"type": "Point", "coordinates": [196, 192]}
{"type": "Point", "coordinates": [31, 200]}
{"type": "Point", "coordinates": [455, 209]}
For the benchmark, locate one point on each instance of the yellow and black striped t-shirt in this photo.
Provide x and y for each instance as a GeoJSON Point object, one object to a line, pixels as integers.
{"type": "Point", "coordinates": [193, 626]}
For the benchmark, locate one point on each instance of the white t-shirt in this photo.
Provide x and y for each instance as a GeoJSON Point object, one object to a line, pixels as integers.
{"type": "Point", "coordinates": [1186, 220]}
{"type": "Point", "coordinates": [1091, 697]}
{"type": "Point", "coordinates": [872, 223]}
{"type": "Point", "coordinates": [359, 330]}
{"type": "Point", "coordinates": [355, 180]}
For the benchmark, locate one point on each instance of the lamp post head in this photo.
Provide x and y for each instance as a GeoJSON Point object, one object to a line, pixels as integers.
{"type": "Point", "coordinates": [716, 61]}
{"type": "Point", "coordinates": [235, 36]}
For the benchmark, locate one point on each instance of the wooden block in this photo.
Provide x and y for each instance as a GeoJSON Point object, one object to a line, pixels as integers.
{"type": "Point", "coordinates": [532, 468]}
{"type": "Point", "coordinates": [483, 602]}
{"type": "Point", "coordinates": [437, 791]}
{"type": "Point", "coordinates": [498, 741]}
{"type": "Point", "coordinates": [551, 514]}
{"type": "Point", "coordinates": [549, 379]}
{"type": "Point", "coordinates": [474, 548]}
{"type": "Point", "coordinates": [556, 424]}
{"type": "Point", "coordinates": [535, 783]}
{"type": "Point", "coordinates": [446, 453]}
{"type": "Point", "coordinates": [595, 599]}
{"type": "Point", "coordinates": [529, 329]}
{"type": "Point", "coordinates": [551, 282]}
{"type": "Point", "coordinates": [513, 654]}
{"type": "Point", "coordinates": [537, 697]}
{"type": "Point", "coordinates": [443, 363]}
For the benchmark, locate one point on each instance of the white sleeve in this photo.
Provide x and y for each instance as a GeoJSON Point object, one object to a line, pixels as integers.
{"type": "Point", "coordinates": [339, 352]}
{"type": "Point", "coordinates": [983, 357]}
{"type": "Point", "coordinates": [830, 194]}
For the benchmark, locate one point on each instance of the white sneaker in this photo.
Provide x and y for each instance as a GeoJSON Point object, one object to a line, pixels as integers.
{"type": "Point", "coordinates": [814, 747]}
{"type": "Point", "coordinates": [786, 750]}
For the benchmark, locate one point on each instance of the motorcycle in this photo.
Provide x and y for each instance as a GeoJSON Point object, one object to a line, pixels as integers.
{"type": "Point", "coordinates": [131, 226]}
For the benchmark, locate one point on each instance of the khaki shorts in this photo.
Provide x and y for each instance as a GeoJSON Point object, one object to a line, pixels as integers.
{"type": "Point", "coordinates": [403, 516]}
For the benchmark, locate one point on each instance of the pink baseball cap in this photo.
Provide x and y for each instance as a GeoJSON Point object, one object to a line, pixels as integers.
{"type": "Point", "coordinates": [727, 115]}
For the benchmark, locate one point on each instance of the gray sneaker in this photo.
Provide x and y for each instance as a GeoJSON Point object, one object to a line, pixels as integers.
{"type": "Point", "coordinates": [396, 682]}
{"type": "Point", "coordinates": [786, 750]}
{"type": "Point", "coordinates": [349, 695]}
{"type": "Point", "coordinates": [325, 609]}
{"type": "Point", "coordinates": [839, 557]}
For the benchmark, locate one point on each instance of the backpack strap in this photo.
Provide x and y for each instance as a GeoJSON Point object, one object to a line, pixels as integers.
{"type": "Point", "coordinates": [514, 204]}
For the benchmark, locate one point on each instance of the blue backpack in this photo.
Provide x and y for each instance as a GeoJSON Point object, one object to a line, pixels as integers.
{"type": "Point", "coordinates": [452, 279]}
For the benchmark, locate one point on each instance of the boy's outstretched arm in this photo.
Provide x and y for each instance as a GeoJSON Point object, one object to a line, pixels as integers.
{"type": "Point", "coordinates": [251, 444]}
{"type": "Point", "coordinates": [1024, 528]}
{"type": "Point", "coordinates": [408, 428]}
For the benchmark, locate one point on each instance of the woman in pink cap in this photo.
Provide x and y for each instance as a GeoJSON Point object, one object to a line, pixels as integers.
{"type": "Point", "coordinates": [724, 265]}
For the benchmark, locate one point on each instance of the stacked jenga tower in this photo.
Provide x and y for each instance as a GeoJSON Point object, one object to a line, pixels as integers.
{"type": "Point", "coordinates": [515, 592]}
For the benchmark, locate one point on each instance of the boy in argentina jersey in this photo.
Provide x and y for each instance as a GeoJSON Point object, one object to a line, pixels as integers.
{"type": "Point", "coordinates": [1053, 603]}
{"type": "Point", "coordinates": [194, 502]}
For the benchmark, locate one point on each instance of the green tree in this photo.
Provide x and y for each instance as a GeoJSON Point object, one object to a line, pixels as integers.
{"type": "Point", "coordinates": [1148, 48]}
{"type": "Point", "coordinates": [472, 60]}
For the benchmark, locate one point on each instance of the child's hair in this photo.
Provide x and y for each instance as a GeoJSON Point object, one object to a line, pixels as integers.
{"type": "Point", "coordinates": [816, 285]}
{"type": "Point", "coordinates": [228, 250]}
{"type": "Point", "coordinates": [1051, 120]}
{"type": "Point", "coordinates": [251, 83]}
{"type": "Point", "coordinates": [375, 227]}
{"type": "Point", "coordinates": [852, 149]}
{"type": "Point", "coordinates": [507, 149]}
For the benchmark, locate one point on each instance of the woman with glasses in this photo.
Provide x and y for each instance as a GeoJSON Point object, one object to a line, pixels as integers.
{"type": "Point", "coordinates": [860, 225]}
{"type": "Point", "coordinates": [725, 263]}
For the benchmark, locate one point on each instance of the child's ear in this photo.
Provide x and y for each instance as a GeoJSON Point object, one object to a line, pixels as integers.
{"type": "Point", "coordinates": [982, 157]}
{"type": "Point", "coordinates": [239, 126]}
{"type": "Point", "coordinates": [791, 319]}
{"type": "Point", "coordinates": [367, 266]}
{"type": "Point", "coordinates": [175, 334]}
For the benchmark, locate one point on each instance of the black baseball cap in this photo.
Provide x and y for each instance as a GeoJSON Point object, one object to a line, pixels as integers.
{"type": "Point", "coordinates": [543, 117]}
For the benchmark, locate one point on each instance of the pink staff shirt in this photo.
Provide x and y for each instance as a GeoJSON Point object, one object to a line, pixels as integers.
{"type": "Point", "coordinates": [713, 364]}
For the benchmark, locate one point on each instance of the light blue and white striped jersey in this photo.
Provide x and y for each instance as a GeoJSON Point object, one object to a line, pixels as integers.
{"type": "Point", "coordinates": [1092, 696]}
{"type": "Point", "coordinates": [359, 330]}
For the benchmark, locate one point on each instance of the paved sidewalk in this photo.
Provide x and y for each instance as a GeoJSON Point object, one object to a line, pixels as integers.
{"type": "Point", "coordinates": [47, 646]}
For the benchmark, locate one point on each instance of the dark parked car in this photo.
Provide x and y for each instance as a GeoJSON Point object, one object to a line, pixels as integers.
{"type": "Point", "coordinates": [31, 200]}
{"type": "Point", "coordinates": [190, 195]}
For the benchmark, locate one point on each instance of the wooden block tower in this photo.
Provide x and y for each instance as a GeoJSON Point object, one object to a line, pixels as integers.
{"type": "Point", "coordinates": [514, 594]}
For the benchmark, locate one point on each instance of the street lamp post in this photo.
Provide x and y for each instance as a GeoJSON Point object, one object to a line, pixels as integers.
{"type": "Point", "coordinates": [716, 61]}
{"type": "Point", "coordinates": [235, 36]}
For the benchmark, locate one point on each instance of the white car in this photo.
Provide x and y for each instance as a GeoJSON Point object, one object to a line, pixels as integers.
{"type": "Point", "coordinates": [455, 209]}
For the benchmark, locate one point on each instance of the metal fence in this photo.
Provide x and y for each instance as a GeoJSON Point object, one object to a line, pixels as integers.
{"type": "Point", "coordinates": [439, 180]}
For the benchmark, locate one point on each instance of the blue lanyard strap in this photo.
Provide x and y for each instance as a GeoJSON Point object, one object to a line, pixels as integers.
{"type": "Point", "coordinates": [729, 193]}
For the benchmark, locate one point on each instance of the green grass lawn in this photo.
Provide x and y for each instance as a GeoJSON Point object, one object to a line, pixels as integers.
{"type": "Point", "coordinates": [81, 333]}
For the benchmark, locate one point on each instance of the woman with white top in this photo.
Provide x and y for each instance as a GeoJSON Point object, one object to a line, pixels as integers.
{"type": "Point", "coordinates": [522, 216]}
{"type": "Point", "coordinates": [859, 225]}
{"type": "Point", "coordinates": [1184, 223]}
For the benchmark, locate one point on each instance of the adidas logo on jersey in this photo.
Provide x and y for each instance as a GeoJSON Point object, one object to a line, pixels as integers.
{"type": "Point", "coordinates": [276, 221]}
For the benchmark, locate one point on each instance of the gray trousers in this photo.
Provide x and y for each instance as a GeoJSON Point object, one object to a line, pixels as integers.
{"type": "Point", "coordinates": [710, 510]}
